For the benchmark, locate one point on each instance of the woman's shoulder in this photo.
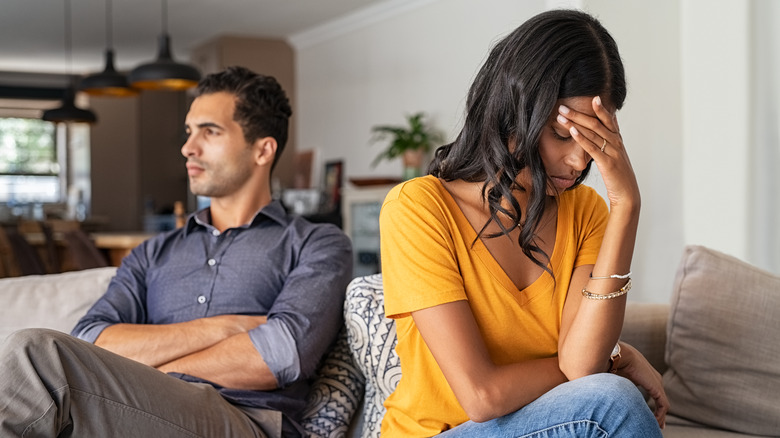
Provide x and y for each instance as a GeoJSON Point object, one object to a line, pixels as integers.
{"type": "Point", "coordinates": [424, 188]}
{"type": "Point", "coordinates": [423, 200]}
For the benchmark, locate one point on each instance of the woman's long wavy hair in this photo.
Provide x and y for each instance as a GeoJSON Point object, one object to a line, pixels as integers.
{"type": "Point", "coordinates": [554, 55]}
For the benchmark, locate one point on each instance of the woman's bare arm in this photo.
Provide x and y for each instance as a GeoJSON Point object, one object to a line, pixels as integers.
{"type": "Point", "coordinates": [483, 389]}
{"type": "Point", "coordinates": [590, 328]}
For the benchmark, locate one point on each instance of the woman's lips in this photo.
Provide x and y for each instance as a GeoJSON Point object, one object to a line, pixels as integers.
{"type": "Point", "coordinates": [563, 183]}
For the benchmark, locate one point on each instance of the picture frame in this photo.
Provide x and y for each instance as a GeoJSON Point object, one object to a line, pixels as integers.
{"type": "Point", "coordinates": [332, 183]}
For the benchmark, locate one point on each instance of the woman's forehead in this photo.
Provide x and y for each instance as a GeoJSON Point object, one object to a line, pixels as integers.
{"type": "Point", "coordinates": [581, 104]}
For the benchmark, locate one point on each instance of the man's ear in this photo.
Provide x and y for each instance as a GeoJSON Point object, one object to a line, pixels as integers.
{"type": "Point", "coordinates": [265, 151]}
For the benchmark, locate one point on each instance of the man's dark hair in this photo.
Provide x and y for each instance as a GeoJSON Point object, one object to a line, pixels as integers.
{"type": "Point", "coordinates": [262, 107]}
{"type": "Point", "coordinates": [554, 55]}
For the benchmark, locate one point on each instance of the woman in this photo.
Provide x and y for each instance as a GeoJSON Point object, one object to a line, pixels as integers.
{"type": "Point", "coordinates": [507, 279]}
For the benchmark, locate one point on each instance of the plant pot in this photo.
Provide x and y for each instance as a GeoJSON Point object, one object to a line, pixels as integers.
{"type": "Point", "coordinates": [413, 162]}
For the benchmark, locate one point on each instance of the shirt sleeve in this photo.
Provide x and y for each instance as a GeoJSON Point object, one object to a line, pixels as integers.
{"type": "Point", "coordinates": [123, 300]}
{"type": "Point", "coordinates": [419, 256]}
{"type": "Point", "coordinates": [308, 313]}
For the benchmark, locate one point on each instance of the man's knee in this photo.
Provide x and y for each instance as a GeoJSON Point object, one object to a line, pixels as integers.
{"type": "Point", "coordinates": [31, 340]}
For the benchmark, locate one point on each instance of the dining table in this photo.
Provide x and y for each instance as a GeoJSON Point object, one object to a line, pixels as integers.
{"type": "Point", "coordinates": [118, 244]}
{"type": "Point", "coordinates": [115, 245]}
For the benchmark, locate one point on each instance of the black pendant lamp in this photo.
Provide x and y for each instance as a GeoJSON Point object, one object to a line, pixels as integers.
{"type": "Point", "coordinates": [109, 82]}
{"type": "Point", "coordinates": [68, 111]}
{"type": "Point", "coordinates": [164, 73]}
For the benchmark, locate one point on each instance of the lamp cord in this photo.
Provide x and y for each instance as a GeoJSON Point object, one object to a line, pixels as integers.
{"type": "Point", "coordinates": [69, 46]}
{"type": "Point", "coordinates": [109, 26]}
{"type": "Point", "coordinates": [68, 43]}
{"type": "Point", "coordinates": [164, 5]}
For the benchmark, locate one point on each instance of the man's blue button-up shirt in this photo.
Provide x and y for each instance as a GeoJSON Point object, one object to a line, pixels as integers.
{"type": "Point", "coordinates": [281, 266]}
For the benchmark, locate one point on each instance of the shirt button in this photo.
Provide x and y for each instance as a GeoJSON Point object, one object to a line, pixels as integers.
{"type": "Point", "coordinates": [201, 299]}
{"type": "Point", "coordinates": [215, 233]}
{"type": "Point", "coordinates": [212, 262]}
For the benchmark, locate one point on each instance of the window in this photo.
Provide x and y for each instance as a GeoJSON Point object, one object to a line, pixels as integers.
{"type": "Point", "coordinates": [29, 166]}
{"type": "Point", "coordinates": [44, 167]}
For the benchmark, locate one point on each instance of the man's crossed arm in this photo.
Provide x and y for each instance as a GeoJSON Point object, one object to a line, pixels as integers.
{"type": "Point", "coordinates": [217, 349]}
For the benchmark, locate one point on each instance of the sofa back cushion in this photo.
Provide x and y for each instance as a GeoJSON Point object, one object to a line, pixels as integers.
{"type": "Point", "coordinates": [722, 349]}
{"type": "Point", "coordinates": [644, 327]}
{"type": "Point", "coordinates": [55, 301]}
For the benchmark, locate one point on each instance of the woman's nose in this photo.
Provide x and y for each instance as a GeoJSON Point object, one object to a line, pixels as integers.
{"type": "Point", "coordinates": [578, 158]}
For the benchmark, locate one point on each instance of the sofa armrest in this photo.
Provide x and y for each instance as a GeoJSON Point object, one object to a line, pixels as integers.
{"type": "Point", "coordinates": [644, 327]}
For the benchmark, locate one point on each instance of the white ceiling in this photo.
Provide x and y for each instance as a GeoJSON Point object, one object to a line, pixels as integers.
{"type": "Point", "coordinates": [32, 31]}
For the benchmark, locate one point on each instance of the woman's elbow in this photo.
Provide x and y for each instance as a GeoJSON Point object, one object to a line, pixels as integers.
{"type": "Point", "coordinates": [481, 404]}
{"type": "Point", "coordinates": [574, 369]}
{"type": "Point", "coordinates": [480, 417]}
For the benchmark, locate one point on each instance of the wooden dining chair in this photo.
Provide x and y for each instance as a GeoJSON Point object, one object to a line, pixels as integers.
{"type": "Point", "coordinates": [24, 255]}
{"type": "Point", "coordinates": [8, 266]}
{"type": "Point", "coordinates": [52, 261]}
{"type": "Point", "coordinates": [82, 250]}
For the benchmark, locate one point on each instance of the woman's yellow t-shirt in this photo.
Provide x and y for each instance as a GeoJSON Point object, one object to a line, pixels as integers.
{"type": "Point", "coordinates": [430, 257]}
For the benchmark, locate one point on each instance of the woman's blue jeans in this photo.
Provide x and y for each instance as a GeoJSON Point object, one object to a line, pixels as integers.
{"type": "Point", "coordinates": [601, 405]}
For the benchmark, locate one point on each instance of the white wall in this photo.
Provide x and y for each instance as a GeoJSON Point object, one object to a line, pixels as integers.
{"type": "Point", "coordinates": [423, 59]}
{"type": "Point", "coordinates": [730, 65]}
{"type": "Point", "coordinates": [687, 144]}
{"type": "Point", "coordinates": [647, 34]}
{"type": "Point", "coordinates": [716, 96]}
{"type": "Point", "coordinates": [764, 248]}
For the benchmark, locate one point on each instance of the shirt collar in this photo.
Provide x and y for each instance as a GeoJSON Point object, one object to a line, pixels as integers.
{"type": "Point", "coordinates": [274, 211]}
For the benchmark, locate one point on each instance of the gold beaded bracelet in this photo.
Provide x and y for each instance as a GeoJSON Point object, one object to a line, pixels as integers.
{"type": "Point", "coordinates": [622, 291]}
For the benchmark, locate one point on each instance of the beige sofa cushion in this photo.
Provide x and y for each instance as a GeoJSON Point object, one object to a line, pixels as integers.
{"type": "Point", "coordinates": [644, 327]}
{"type": "Point", "coordinates": [55, 301]}
{"type": "Point", "coordinates": [722, 348]}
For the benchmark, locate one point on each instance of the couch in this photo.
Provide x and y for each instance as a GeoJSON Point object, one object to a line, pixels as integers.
{"type": "Point", "coordinates": [715, 344]}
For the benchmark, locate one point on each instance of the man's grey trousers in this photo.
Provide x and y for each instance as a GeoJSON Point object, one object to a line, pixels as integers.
{"type": "Point", "coordinates": [54, 385]}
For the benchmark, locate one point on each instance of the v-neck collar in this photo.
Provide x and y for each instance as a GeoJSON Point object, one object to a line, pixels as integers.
{"type": "Point", "coordinates": [544, 282]}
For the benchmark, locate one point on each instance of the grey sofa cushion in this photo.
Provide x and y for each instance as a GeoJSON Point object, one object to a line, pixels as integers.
{"type": "Point", "coordinates": [677, 427]}
{"type": "Point", "coordinates": [644, 327]}
{"type": "Point", "coordinates": [54, 301]}
{"type": "Point", "coordinates": [722, 349]}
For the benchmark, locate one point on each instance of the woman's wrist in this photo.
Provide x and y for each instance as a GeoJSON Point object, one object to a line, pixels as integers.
{"type": "Point", "coordinates": [627, 210]}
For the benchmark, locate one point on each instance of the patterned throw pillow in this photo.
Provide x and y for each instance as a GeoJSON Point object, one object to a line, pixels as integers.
{"type": "Point", "coordinates": [335, 393]}
{"type": "Point", "coordinates": [372, 342]}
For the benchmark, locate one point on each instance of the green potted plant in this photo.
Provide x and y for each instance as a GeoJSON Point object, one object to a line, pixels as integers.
{"type": "Point", "coordinates": [410, 142]}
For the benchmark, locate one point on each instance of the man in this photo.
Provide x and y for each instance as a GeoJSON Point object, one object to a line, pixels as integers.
{"type": "Point", "coordinates": [210, 330]}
